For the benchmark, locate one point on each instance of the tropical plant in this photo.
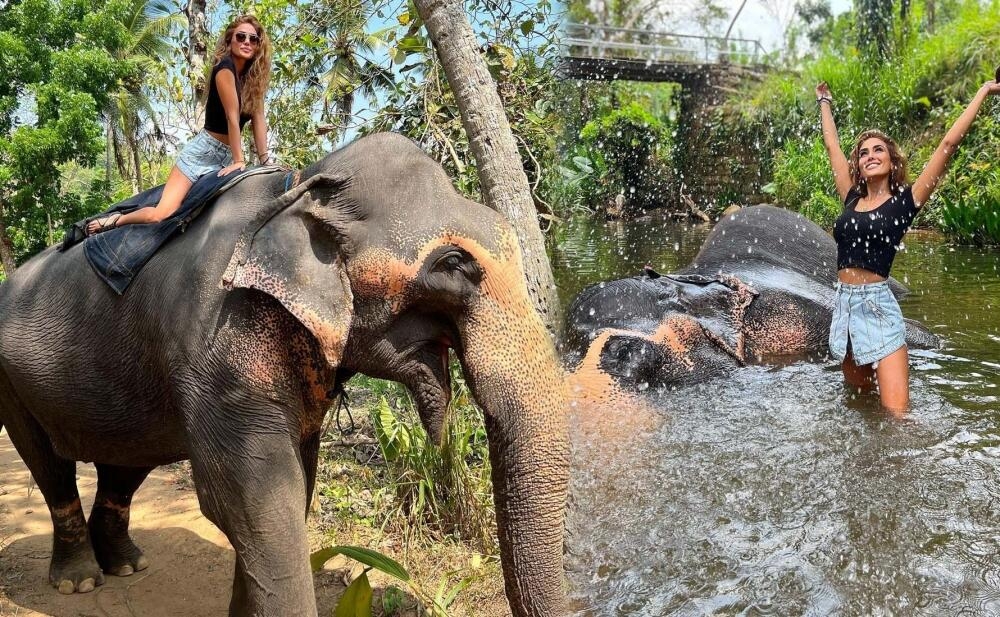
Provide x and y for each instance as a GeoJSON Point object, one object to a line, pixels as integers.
{"type": "Point", "coordinates": [630, 150]}
{"type": "Point", "coordinates": [342, 30]}
{"type": "Point", "coordinates": [53, 88]}
{"type": "Point", "coordinates": [357, 598]}
{"type": "Point", "coordinates": [135, 33]}
{"type": "Point", "coordinates": [444, 487]}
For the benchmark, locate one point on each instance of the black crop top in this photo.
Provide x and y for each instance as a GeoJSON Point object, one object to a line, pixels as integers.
{"type": "Point", "coordinates": [215, 113]}
{"type": "Point", "coordinates": [870, 239]}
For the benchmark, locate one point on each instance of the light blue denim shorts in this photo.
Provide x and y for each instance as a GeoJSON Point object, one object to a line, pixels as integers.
{"type": "Point", "coordinates": [203, 155]}
{"type": "Point", "coordinates": [866, 317]}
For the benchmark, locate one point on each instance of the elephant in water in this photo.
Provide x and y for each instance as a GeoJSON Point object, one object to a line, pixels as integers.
{"type": "Point", "coordinates": [232, 342]}
{"type": "Point", "coordinates": [761, 286]}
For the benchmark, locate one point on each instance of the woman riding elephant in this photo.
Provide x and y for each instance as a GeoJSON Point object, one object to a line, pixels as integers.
{"type": "Point", "coordinates": [373, 264]}
{"type": "Point", "coordinates": [236, 88]}
{"type": "Point", "coordinates": [867, 333]}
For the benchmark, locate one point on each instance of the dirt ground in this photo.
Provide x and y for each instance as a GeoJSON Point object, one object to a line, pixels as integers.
{"type": "Point", "coordinates": [191, 560]}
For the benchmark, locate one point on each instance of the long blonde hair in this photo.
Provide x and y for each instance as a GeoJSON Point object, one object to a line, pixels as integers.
{"type": "Point", "coordinates": [899, 177]}
{"type": "Point", "coordinates": [257, 76]}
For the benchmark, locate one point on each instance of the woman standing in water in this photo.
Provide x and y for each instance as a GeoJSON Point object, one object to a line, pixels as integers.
{"type": "Point", "coordinates": [867, 332]}
{"type": "Point", "coordinates": [240, 75]}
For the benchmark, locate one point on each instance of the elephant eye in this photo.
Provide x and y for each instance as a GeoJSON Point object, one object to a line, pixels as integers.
{"type": "Point", "coordinates": [450, 261]}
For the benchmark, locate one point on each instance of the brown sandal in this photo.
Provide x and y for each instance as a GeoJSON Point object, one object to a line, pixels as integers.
{"type": "Point", "coordinates": [104, 224]}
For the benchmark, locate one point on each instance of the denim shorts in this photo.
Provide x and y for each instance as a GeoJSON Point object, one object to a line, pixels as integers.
{"type": "Point", "coordinates": [866, 317]}
{"type": "Point", "coordinates": [203, 155]}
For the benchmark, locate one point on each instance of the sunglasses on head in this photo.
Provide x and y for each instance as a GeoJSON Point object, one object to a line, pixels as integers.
{"type": "Point", "coordinates": [242, 37]}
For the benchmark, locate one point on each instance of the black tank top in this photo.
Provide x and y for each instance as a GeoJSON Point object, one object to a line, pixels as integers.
{"type": "Point", "coordinates": [870, 239]}
{"type": "Point", "coordinates": [215, 113]}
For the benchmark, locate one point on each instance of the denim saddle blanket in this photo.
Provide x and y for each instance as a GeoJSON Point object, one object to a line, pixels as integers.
{"type": "Point", "coordinates": [118, 254]}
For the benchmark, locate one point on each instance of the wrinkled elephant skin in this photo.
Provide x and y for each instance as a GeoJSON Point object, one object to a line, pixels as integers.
{"type": "Point", "coordinates": [761, 286]}
{"type": "Point", "coordinates": [233, 341]}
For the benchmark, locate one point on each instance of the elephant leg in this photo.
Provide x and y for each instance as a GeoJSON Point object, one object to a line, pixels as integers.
{"type": "Point", "coordinates": [253, 486]}
{"type": "Point", "coordinates": [73, 566]}
{"type": "Point", "coordinates": [109, 518]}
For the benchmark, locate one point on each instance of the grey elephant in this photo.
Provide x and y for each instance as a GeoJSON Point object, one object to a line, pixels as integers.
{"type": "Point", "coordinates": [230, 344]}
{"type": "Point", "coordinates": [761, 286]}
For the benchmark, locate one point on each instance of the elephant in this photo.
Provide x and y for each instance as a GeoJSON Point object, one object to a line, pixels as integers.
{"type": "Point", "coordinates": [235, 339]}
{"type": "Point", "coordinates": [761, 286]}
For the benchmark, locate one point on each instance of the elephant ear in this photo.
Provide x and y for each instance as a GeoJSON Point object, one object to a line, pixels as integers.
{"type": "Point", "coordinates": [283, 252]}
{"type": "Point", "coordinates": [720, 309]}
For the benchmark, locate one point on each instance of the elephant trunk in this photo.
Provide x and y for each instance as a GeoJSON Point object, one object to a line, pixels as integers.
{"type": "Point", "coordinates": [510, 363]}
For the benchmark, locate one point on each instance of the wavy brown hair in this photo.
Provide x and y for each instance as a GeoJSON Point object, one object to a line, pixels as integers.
{"type": "Point", "coordinates": [899, 176]}
{"type": "Point", "coordinates": [256, 77]}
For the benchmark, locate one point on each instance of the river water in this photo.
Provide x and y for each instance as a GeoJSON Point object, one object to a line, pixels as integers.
{"type": "Point", "coordinates": [779, 491]}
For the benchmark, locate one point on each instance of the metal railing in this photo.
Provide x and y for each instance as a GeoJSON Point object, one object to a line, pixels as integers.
{"type": "Point", "coordinates": [607, 42]}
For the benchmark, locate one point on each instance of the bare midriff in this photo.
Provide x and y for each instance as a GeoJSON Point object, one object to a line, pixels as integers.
{"type": "Point", "coordinates": [220, 136]}
{"type": "Point", "coordinates": [858, 276]}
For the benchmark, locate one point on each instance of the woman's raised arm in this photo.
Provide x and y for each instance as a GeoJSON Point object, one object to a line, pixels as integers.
{"type": "Point", "coordinates": [932, 173]}
{"type": "Point", "coordinates": [838, 162]}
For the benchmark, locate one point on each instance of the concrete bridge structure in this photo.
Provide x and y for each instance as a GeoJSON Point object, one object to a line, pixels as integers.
{"type": "Point", "coordinates": [707, 69]}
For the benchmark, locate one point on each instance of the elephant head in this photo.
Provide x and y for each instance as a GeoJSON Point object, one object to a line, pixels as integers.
{"type": "Point", "coordinates": [388, 267]}
{"type": "Point", "coordinates": [658, 330]}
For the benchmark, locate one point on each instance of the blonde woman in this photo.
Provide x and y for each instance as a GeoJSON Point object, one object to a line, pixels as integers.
{"type": "Point", "coordinates": [867, 333]}
{"type": "Point", "coordinates": [240, 74]}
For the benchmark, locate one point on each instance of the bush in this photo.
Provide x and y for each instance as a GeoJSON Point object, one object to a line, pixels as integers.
{"type": "Point", "coordinates": [967, 202]}
{"type": "Point", "coordinates": [438, 487]}
{"type": "Point", "coordinates": [803, 182]}
{"type": "Point", "coordinates": [629, 149]}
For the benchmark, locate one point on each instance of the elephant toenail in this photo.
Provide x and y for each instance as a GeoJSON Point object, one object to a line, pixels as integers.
{"type": "Point", "coordinates": [86, 585]}
{"type": "Point", "coordinates": [141, 563]}
{"type": "Point", "coordinates": [66, 587]}
{"type": "Point", "coordinates": [125, 570]}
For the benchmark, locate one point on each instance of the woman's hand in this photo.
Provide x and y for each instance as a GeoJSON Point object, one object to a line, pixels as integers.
{"type": "Point", "coordinates": [823, 91]}
{"type": "Point", "coordinates": [991, 87]}
{"type": "Point", "coordinates": [225, 171]}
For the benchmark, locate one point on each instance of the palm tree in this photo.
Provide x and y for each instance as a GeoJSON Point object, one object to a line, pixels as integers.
{"type": "Point", "coordinates": [146, 24]}
{"type": "Point", "coordinates": [343, 24]}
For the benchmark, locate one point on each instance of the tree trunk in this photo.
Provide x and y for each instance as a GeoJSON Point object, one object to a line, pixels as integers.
{"type": "Point", "coordinates": [197, 54]}
{"type": "Point", "coordinates": [137, 162]}
{"type": "Point", "coordinates": [6, 248]}
{"type": "Point", "coordinates": [501, 174]}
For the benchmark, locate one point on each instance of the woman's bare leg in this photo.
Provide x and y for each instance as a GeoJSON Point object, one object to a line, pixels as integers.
{"type": "Point", "coordinates": [176, 188]}
{"type": "Point", "coordinates": [861, 377]}
{"type": "Point", "coordinates": [893, 375]}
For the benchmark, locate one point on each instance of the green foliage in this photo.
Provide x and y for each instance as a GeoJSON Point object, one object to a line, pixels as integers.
{"type": "Point", "coordinates": [439, 486]}
{"type": "Point", "coordinates": [393, 600]}
{"type": "Point", "coordinates": [629, 147]}
{"type": "Point", "coordinates": [370, 558]}
{"type": "Point", "coordinates": [357, 598]}
{"type": "Point", "coordinates": [803, 181]}
{"type": "Point", "coordinates": [967, 203]}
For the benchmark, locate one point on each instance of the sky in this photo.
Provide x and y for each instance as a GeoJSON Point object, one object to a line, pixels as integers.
{"type": "Point", "coordinates": [762, 19]}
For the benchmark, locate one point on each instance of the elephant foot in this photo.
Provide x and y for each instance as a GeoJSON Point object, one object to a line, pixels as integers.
{"type": "Point", "coordinates": [115, 551]}
{"type": "Point", "coordinates": [75, 571]}
{"type": "Point", "coordinates": [74, 566]}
